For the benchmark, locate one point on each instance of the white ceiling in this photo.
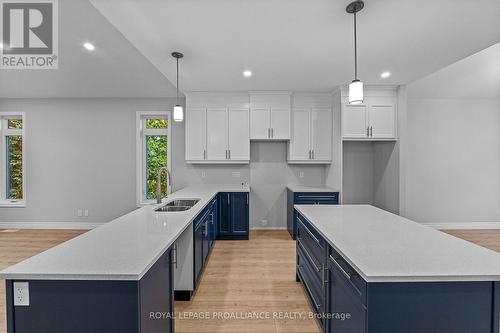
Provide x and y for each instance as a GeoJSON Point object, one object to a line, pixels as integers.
{"type": "Point", "coordinates": [477, 76]}
{"type": "Point", "coordinates": [302, 45]}
{"type": "Point", "coordinates": [115, 69]}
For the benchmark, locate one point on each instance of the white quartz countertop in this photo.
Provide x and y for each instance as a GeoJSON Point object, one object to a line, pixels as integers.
{"type": "Point", "coordinates": [123, 249]}
{"type": "Point", "coordinates": [312, 188]}
{"type": "Point", "coordinates": [384, 247]}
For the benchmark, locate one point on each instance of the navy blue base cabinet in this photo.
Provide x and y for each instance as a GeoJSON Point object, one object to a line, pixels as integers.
{"type": "Point", "coordinates": [144, 306]}
{"type": "Point", "coordinates": [204, 237]}
{"type": "Point", "coordinates": [306, 198]}
{"type": "Point", "coordinates": [233, 215]}
{"type": "Point", "coordinates": [345, 303]}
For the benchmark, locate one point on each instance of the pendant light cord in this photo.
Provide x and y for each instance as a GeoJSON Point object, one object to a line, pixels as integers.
{"type": "Point", "coordinates": [177, 80]}
{"type": "Point", "coordinates": [355, 50]}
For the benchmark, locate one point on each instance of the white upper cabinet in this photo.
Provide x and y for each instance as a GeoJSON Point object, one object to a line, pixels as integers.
{"type": "Point", "coordinates": [312, 130]}
{"type": "Point", "coordinates": [374, 120]}
{"type": "Point", "coordinates": [217, 134]}
{"type": "Point", "coordinates": [196, 132]}
{"type": "Point", "coordinates": [238, 135]}
{"type": "Point", "coordinates": [354, 121]}
{"type": "Point", "coordinates": [382, 121]}
{"type": "Point", "coordinates": [217, 128]}
{"type": "Point", "coordinates": [270, 116]}
{"type": "Point", "coordinates": [321, 134]}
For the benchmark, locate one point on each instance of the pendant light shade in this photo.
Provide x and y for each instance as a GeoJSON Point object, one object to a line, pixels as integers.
{"type": "Point", "coordinates": [356, 86]}
{"type": "Point", "coordinates": [178, 111]}
{"type": "Point", "coordinates": [356, 92]}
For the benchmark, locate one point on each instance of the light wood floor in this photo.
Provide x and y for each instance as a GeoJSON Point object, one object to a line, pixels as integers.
{"type": "Point", "coordinates": [256, 276]}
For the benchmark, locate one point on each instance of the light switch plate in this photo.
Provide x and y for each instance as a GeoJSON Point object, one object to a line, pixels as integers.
{"type": "Point", "coordinates": [21, 294]}
{"type": "Point", "coordinates": [301, 174]}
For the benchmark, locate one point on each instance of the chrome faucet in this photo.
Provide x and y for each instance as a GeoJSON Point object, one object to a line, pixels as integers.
{"type": "Point", "coordinates": [158, 184]}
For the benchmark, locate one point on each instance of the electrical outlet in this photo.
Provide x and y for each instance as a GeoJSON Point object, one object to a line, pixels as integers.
{"type": "Point", "coordinates": [301, 174]}
{"type": "Point", "coordinates": [203, 174]}
{"type": "Point", "coordinates": [21, 294]}
{"type": "Point", "coordinates": [263, 222]}
{"type": "Point", "coordinates": [236, 174]}
{"type": "Point", "coordinates": [80, 213]}
{"type": "Point", "coordinates": [86, 213]}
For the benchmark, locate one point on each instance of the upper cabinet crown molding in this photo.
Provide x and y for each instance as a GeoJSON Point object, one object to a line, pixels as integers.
{"type": "Point", "coordinates": [374, 120]}
{"type": "Point", "coordinates": [270, 115]}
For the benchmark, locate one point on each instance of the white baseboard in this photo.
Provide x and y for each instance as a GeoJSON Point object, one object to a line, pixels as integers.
{"type": "Point", "coordinates": [462, 225]}
{"type": "Point", "coordinates": [50, 225]}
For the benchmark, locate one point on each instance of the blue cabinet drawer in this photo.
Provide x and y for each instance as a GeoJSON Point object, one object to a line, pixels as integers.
{"type": "Point", "coordinates": [348, 275]}
{"type": "Point", "coordinates": [316, 198]}
{"type": "Point", "coordinates": [310, 279]}
{"type": "Point", "coordinates": [314, 245]}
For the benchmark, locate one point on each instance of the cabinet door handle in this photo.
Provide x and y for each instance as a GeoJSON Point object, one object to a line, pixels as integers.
{"type": "Point", "coordinates": [325, 281]}
{"type": "Point", "coordinates": [272, 132]}
{"type": "Point", "coordinates": [175, 255]}
{"type": "Point", "coordinates": [204, 154]}
{"type": "Point", "coordinates": [368, 131]}
{"type": "Point", "coordinates": [309, 154]}
{"type": "Point", "coordinates": [247, 198]}
{"type": "Point", "coordinates": [371, 130]}
{"type": "Point", "coordinates": [313, 154]}
{"type": "Point", "coordinates": [268, 133]}
{"type": "Point", "coordinates": [229, 153]}
{"type": "Point", "coordinates": [228, 198]}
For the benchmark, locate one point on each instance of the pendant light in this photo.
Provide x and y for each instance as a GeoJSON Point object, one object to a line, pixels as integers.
{"type": "Point", "coordinates": [178, 111]}
{"type": "Point", "coordinates": [356, 86]}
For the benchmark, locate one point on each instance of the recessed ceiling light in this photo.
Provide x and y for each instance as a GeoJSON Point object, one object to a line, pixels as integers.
{"type": "Point", "coordinates": [89, 46]}
{"type": "Point", "coordinates": [247, 73]}
{"type": "Point", "coordinates": [385, 75]}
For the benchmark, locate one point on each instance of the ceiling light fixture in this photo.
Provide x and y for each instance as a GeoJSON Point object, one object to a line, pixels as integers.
{"type": "Point", "coordinates": [356, 86]}
{"type": "Point", "coordinates": [385, 75]}
{"type": "Point", "coordinates": [247, 73]}
{"type": "Point", "coordinates": [89, 46]}
{"type": "Point", "coordinates": [178, 111]}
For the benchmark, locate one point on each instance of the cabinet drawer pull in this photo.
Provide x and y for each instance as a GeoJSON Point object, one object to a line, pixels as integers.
{"type": "Point", "coordinates": [368, 131]}
{"type": "Point", "coordinates": [309, 232]}
{"type": "Point", "coordinates": [308, 255]}
{"type": "Point", "coordinates": [308, 290]}
{"type": "Point", "coordinates": [175, 255]}
{"type": "Point", "coordinates": [371, 130]}
{"type": "Point", "coordinates": [347, 275]}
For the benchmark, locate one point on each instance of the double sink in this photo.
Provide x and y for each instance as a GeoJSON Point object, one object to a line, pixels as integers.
{"type": "Point", "coordinates": [177, 205]}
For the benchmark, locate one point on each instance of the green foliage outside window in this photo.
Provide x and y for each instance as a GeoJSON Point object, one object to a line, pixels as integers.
{"type": "Point", "coordinates": [156, 157]}
{"type": "Point", "coordinates": [14, 167]}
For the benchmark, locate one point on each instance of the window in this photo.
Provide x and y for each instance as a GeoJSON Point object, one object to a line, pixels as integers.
{"type": "Point", "coordinates": [12, 159]}
{"type": "Point", "coordinates": [153, 152]}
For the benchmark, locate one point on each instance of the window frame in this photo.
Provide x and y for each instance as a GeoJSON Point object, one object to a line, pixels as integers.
{"type": "Point", "coordinates": [4, 132]}
{"type": "Point", "coordinates": [141, 133]}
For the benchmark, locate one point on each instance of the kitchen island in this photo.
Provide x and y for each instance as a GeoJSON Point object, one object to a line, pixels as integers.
{"type": "Point", "coordinates": [367, 270]}
{"type": "Point", "coordinates": [115, 278]}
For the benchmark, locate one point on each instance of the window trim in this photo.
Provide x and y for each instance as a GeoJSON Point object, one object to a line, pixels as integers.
{"type": "Point", "coordinates": [140, 150]}
{"type": "Point", "coordinates": [4, 132]}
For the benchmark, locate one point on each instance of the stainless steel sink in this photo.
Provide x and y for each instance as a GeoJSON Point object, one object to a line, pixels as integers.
{"type": "Point", "coordinates": [177, 205]}
{"type": "Point", "coordinates": [183, 202]}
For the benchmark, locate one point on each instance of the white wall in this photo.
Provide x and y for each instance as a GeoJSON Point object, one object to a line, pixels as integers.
{"type": "Point", "coordinates": [452, 160]}
{"type": "Point", "coordinates": [81, 155]}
